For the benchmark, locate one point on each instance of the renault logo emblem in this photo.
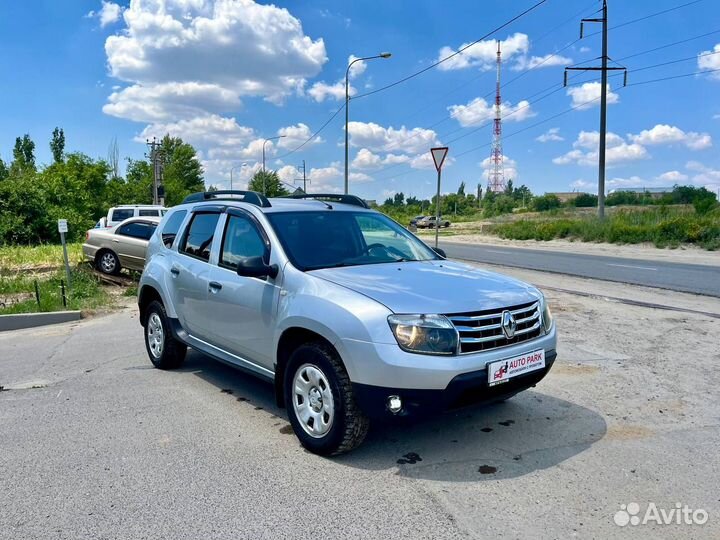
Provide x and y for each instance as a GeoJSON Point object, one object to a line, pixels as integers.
{"type": "Point", "coordinates": [508, 324]}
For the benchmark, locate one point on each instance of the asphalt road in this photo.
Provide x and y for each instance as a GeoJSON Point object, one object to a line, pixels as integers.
{"type": "Point", "coordinates": [96, 443]}
{"type": "Point", "coordinates": [693, 278]}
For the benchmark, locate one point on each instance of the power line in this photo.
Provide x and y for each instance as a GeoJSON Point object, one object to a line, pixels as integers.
{"type": "Point", "coordinates": [314, 134]}
{"type": "Point", "coordinates": [675, 61]}
{"type": "Point", "coordinates": [459, 51]}
{"type": "Point", "coordinates": [668, 45]}
{"type": "Point", "coordinates": [650, 16]}
{"type": "Point", "coordinates": [674, 77]}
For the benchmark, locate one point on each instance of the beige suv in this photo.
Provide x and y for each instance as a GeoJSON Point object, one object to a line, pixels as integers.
{"type": "Point", "coordinates": [121, 246]}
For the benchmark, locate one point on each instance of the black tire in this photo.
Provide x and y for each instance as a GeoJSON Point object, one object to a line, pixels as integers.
{"type": "Point", "coordinates": [349, 425]}
{"type": "Point", "coordinates": [107, 262]}
{"type": "Point", "coordinates": [172, 352]}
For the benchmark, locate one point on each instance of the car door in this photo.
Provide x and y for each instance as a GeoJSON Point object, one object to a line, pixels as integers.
{"type": "Point", "coordinates": [190, 272]}
{"type": "Point", "coordinates": [130, 243]}
{"type": "Point", "coordinates": [244, 308]}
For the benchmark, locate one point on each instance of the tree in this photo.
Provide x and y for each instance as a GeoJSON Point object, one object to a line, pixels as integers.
{"type": "Point", "coordinates": [4, 172]}
{"type": "Point", "coordinates": [585, 200]}
{"type": "Point", "coordinates": [183, 173]}
{"type": "Point", "coordinates": [57, 145]}
{"type": "Point", "coordinates": [509, 187]}
{"type": "Point", "coordinates": [461, 189]}
{"type": "Point", "coordinates": [522, 194]}
{"type": "Point", "coordinates": [546, 202]}
{"type": "Point", "coordinates": [267, 182]}
{"type": "Point", "coordinates": [23, 156]}
{"type": "Point", "coordinates": [399, 199]}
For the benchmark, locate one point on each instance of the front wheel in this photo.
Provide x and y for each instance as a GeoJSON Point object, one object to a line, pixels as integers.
{"type": "Point", "coordinates": [320, 401]}
{"type": "Point", "coordinates": [164, 350]}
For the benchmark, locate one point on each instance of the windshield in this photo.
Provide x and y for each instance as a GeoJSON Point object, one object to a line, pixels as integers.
{"type": "Point", "coordinates": [327, 239]}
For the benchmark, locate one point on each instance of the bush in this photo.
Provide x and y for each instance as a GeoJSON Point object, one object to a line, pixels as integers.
{"type": "Point", "coordinates": [545, 202]}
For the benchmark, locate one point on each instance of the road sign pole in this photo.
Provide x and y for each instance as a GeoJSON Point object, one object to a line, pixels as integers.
{"type": "Point", "coordinates": [62, 229]}
{"type": "Point", "coordinates": [437, 211]}
{"type": "Point", "coordinates": [438, 155]}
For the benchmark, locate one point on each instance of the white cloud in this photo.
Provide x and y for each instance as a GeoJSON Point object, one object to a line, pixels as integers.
{"type": "Point", "coordinates": [551, 135]}
{"type": "Point", "coordinates": [294, 136]}
{"type": "Point", "coordinates": [707, 61]}
{"type": "Point", "coordinates": [479, 111]}
{"type": "Point", "coordinates": [358, 68]}
{"type": "Point", "coordinates": [588, 95]}
{"type": "Point", "coordinates": [205, 130]}
{"type": "Point", "coordinates": [672, 176]}
{"type": "Point", "coordinates": [321, 90]}
{"type": "Point", "coordinates": [533, 62]}
{"type": "Point", "coordinates": [108, 14]}
{"type": "Point", "coordinates": [704, 176]}
{"type": "Point", "coordinates": [666, 134]}
{"type": "Point", "coordinates": [584, 49]}
{"type": "Point", "coordinates": [381, 139]}
{"type": "Point", "coordinates": [483, 54]}
{"type": "Point", "coordinates": [583, 185]}
{"type": "Point", "coordinates": [585, 150]}
{"type": "Point", "coordinates": [186, 64]}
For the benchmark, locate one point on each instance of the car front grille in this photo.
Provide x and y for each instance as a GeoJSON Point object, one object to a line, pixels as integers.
{"type": "Point", "coordinates": [482, 330]}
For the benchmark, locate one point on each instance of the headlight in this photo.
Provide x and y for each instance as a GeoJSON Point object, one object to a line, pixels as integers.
{"type": "Point", "coordinates": [547, 319]}
{"type": "Point", "coordinates": [425, 334]}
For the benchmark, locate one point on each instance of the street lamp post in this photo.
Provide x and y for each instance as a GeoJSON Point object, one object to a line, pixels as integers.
{"type": "Point", "coordinates": [263, 157]}
{"type": "Point", "coordinates": [231, 171]}
{"type": "Point", "coordinates": [347, 103]}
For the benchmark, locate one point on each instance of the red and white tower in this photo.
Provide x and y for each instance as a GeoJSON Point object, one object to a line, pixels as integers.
{"type": "Point", "coordinates": [496, 176]}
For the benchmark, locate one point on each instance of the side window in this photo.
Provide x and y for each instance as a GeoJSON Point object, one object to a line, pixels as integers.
{"type": "Point", "coordinates": [121, 214]}
{"type": "Point", "coordinates": [172, 227]}
{"type": "Point", "coordinates": [148, 213]}
{"type": "Point", "coordinates": [242, 239]}
{"type": "Point", "coordinates": [199, 236]}
{"type": "Point", "coordinates": [137, 229]}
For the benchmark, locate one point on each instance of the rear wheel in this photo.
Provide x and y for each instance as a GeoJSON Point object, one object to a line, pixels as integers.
{"type": "Point", "coordinates": [108, 263]}
{"type": "Point", "coordinates": [164, 350]}
{"type": "Point", "coordinates": [320, 401]}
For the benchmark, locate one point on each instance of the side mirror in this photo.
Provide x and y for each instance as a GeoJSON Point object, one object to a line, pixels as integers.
{"type": "Point", "coordinates": [440, 252]}
{"type": "Point", "coordinates": [256, 267]}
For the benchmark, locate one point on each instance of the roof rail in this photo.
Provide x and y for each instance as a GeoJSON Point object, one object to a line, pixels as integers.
{"type": "Point", "coordinates": [250, 197]}
{"type": "Point", "coordinates": [353, 200]}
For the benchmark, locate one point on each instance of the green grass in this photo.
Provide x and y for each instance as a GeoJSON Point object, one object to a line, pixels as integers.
{"type": "Point", "coordinates": [662, 226]}
{"type": "Point", "coordinates": [86, 293]}
{"type": "Point", "coordinates": [43, 255]}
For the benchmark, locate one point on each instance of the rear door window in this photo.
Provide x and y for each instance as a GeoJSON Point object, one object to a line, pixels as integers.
{"type": "Point", "coordinates": [149, 213]}
{"type": "Point", "coordinates": [199, 236]}
{"type": "Point", "coordinates": [172, 227]}
{"type": "Point", "coordinates": [121, 214]}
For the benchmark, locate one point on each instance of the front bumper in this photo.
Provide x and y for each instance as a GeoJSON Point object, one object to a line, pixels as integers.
{"type": "Point", "coordinates": [462, 391]}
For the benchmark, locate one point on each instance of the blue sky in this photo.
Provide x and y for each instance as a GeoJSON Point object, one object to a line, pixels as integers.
{"type": "Point", "coordinates": [226, 74]}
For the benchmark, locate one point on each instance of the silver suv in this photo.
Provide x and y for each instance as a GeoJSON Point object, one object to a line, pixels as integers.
{"type": "Point", "coordinates": [347, 313]}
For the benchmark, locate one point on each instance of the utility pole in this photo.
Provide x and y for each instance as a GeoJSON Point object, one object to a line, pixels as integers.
{"type": "Point", "coordinates": [304, 179]}
{"type": "Point", "coordinates": [156, 159]}
{"type": "Point", "coordinates": [603, 69]}
{"type": "Point", "coordinates": [479, 195]}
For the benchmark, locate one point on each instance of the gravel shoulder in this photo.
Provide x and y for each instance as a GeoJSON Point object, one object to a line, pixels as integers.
{"type": "Point", "coordinates": [96, 443]}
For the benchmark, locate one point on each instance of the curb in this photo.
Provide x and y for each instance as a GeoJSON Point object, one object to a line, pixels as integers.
{"type": "Point", "coordinates": [31, 320]}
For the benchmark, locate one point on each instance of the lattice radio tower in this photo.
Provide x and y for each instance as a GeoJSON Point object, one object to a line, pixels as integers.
{"type": "Point", "coordinates": [496, 177]}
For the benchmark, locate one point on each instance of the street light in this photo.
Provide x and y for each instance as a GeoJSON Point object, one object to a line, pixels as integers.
{"type": "Point", "coordinates": [263, 156]}
{"type": "Point", "coordinates": [347, 103]}
{"type": "Point", "coordinates": [231, 171]}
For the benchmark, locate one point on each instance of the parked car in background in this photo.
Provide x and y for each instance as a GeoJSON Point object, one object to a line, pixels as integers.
{"type": "Point", "coordinates": [429, 222]}
{"type": "Point", "coordinates": [120, 213]}
{"type": "Point", "coordinates": [122, 246]}
{"type": "Point", "coordinates": [414, 221]}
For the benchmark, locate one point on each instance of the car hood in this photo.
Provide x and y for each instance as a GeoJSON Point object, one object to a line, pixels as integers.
{"type": "Point", "coordinates": [431, 286]}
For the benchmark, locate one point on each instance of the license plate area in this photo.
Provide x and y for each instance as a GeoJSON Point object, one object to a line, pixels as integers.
{"type": "Point", "coordinates": [503, 370]}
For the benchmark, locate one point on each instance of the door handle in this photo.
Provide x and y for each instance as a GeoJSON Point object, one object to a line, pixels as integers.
{"type": "Point", "coordinates": [215, 286]}
{"type": "Point", "coordinates": [175, 271]}
{"type": "Point", "coordinates": [116, 240]}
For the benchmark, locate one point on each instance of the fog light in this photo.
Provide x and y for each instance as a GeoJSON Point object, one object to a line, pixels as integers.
{"type": "Point", "coordinates": [394, 404]}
